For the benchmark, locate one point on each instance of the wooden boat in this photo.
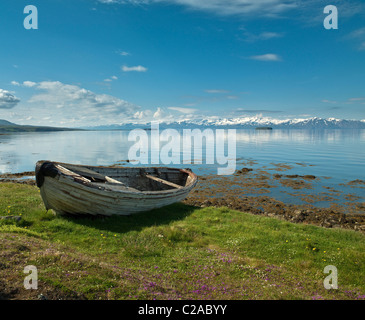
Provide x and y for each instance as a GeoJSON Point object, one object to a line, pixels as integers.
{"type": "Point", "coordinates": [91, 190]}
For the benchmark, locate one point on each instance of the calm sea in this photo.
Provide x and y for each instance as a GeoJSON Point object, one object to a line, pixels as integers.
{"type": "Point", "coordinates": [334, 153]}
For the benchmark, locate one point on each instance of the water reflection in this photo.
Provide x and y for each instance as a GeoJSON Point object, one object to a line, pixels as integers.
{"type": "Point", "coordinates": [331, 152]}
{"type": "Point", "coordinates": [303, 135]}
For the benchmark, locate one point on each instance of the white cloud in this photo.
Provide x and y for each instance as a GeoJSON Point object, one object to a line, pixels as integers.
{"type": "Point", "coordinates": [135, 68]}
{"type": "Point", "coordinates": [183, 110]}
{"type": "Point", "coordinates": [59, 104]}
{"type": "Point", "coordinates": [354, 100]}
{"type": "Point", "coordinates": [71, 103]}
{"type": "Point", "coordinates": [216, 91]}
{"type": "Point", "coordinates": [266, 57]}
{"type": "Point", "coordinates": [138, 115]}
{"type": "Point", "coordinates": [66, 95]}
{"type": "Point", "coordinates": [123, 53]}
{"type": "Point", "coordinates": [223, 7]}
{"type": "Point", "coordinates": [252, 37]}
{"type": "Point", "coordinates": [111, 79]}
{"type": "Point", "coordinates": [143, 115]}
{"type": "Point", "coordinates": [357, 99]}
{"type": "Point", "coordinates": [358, 35]}
{"type": "Point", "coordinates": [269, 35]}
{"type": "Point", "coordinates": [29, 84]}
{"type": "Point", "coordinates": [7, 99]}
{"type": "Point", "coordinates": [308, 11]}
{"type": "Point", "coordinates": [158, 114]}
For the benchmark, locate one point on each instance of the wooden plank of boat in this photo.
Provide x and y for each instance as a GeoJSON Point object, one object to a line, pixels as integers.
{"type": "Point", "coordinates": [93, 174]}
{"type": "Point", "coordinates": [114, 187]}
{"type": "Point", "coordinates": [171, 184]}
{"type": "Point", "coordinates": [111, 180]}
{"type": "Point", "coordinates": [71, 173]}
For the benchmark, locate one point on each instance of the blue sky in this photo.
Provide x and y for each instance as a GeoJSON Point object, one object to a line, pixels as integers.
{"type": "Point", "coordinates": [93, 62]}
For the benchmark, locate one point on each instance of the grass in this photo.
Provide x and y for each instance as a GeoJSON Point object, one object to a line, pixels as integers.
{"type": "Point", "coordinates": [177, 252]}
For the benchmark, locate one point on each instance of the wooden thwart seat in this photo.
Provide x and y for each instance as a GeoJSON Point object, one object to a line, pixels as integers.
{"type": "Point", "coordinates": [71, 173]}
{"type": "Point", "coordinates": [84, 172]}
{"type": "Point", "coordinates": [171, 184]}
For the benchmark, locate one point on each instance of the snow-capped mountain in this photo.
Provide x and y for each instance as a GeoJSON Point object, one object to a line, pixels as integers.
{"type": "Point", "coordinates": [247, 122]}
{"type": "Point", "coordinates": [253, 122]}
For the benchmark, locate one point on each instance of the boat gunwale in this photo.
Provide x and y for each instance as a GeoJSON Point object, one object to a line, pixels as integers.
{"type": "Point", "coordinates": [89, 185]}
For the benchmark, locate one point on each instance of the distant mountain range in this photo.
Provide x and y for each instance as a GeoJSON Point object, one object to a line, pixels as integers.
{"type": "Point", "coordinates": [249, 122]}
{"type": "Point", "coordinates": [234, 123]}
{"type": "Point", "coordinates": [6, 126]}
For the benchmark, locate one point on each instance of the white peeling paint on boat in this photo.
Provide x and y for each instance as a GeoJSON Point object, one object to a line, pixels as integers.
{"type": "Point", "coordinates": [67, 192]}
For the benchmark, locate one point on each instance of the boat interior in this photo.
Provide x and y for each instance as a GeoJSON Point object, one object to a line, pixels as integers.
{"type": "Point", "coordinates": [133, 179]}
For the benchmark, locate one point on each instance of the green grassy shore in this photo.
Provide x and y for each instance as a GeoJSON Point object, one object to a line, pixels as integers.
{"type": "Point", "coordinates": [177, 252]}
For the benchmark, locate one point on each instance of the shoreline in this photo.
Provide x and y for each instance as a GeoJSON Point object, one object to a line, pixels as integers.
{"type": "Point", "coordinates": [258, 192]}
{"type": "Point", "coordinates": [323, 217]}
{"type": "Point", "coordinates": [248, 190]}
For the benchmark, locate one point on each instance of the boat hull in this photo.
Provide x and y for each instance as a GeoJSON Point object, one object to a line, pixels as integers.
{"type": "Point", "coordinates": [66, 196]}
